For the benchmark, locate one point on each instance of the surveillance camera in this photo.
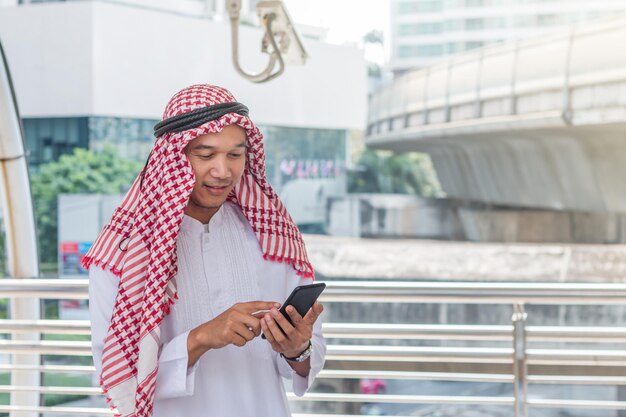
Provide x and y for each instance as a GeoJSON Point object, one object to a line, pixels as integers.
{"type": "Point", "coordinates": [284, 32]}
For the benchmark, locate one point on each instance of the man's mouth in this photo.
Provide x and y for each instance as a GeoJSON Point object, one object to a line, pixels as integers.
{"type": "Point", "coordinates": [216, 189]}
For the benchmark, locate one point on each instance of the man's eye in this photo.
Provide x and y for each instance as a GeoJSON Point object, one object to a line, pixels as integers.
{"type": "Point", "coordinates": [236, 155]}
{"type": "Point", "coordinates": [205, 156]}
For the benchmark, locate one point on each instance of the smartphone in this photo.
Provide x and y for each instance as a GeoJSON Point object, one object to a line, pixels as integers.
{"type": "Point", "coordinates": [302, 299]}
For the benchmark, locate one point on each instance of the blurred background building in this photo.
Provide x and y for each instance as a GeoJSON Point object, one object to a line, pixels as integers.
{"type": "Point", "coordinates": [425, 31]}
{"type": "Point", "coordinates": [100, 73]}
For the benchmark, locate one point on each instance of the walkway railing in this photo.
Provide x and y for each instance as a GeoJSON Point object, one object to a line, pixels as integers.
{"type": "Point", "coordinates": [506, 354]}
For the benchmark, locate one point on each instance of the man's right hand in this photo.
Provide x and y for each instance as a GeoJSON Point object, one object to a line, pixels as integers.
{"type": "Point", "coordinates": [235, 326]}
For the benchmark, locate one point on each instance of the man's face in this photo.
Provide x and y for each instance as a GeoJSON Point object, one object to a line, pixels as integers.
{"type": "Point", "coordinates": [218, 161]}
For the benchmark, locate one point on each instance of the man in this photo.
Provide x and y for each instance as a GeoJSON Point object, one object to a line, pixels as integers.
{"type": "Point", "coordinates": [192, 268]}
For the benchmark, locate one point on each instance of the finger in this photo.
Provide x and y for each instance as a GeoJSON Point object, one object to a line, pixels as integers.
{"type": "Point", "coordinates": [253, 323]}
{"type": "Point", "coordinates": [244, 331]}
{"type": "Point", "coordinates": [284, 324]}
{"type": "Point", "coordinates": [314, 312]}
{"type": "Point", "coordinates": [296, 318]}
{"type": "Point", "coordinates": [274, 330]}
{"type": "Point", "coordinates": [268, 335]}
{"type": "Point", "coordinates": [255, 306]}
{"type": "Point", "coordinates": [239, 340]}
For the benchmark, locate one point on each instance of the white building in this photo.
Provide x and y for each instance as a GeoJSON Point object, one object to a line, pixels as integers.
{"type": "Point", "coordinates": [76, 65]}
{"type": "Point", "coordinates": [425, 31]}
{"type": "Point", "coordinates": [89, 73]}
{"type": "Point", "coordinates": [210, 8]}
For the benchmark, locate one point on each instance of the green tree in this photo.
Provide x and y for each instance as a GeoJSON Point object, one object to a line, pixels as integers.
{"type": "Point", "coordinates": [403, 173]}
{"type": "Point", "coordinates": [374, 36]}
{"type": "Point", "coordinates": [83, 171]}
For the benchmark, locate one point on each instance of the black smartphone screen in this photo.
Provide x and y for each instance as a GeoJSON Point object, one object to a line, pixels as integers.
{"type": "Point", "coordinates": [302, 299]}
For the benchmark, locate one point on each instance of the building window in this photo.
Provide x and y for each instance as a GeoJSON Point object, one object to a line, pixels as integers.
{"type": "Point", "coordinates": [544, 20]}
{"type": "Point", "coordinates": [453, 25]}
{"type": "Point", "coordinates": [523, 21]}
{"type": "Point", "coordinates": [133, 138]}
{"type": "Point", "coordinates": [408, 7]}
{"type": "Point", "coordinates": [420, 28]}
{"type": "Point", "coordinates": [47, 138]}
{"type": "Point", "coordinates": [473, 45]}
{"type": "Point", "coordinates": [453, 48]}
{"type": "Point", "coordinates": [474, 24]}
{"type": "Point", "coordinates": [414, 51]}
{"type": "Point", "coordinates": [302, 153]}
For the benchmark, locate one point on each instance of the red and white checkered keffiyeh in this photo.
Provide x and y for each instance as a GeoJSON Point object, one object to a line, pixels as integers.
{"type": "Point", "coordinates": [139, 245]}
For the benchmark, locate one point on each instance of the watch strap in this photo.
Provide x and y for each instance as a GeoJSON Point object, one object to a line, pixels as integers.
{"type": "Point", "coordinates": [302, 356]}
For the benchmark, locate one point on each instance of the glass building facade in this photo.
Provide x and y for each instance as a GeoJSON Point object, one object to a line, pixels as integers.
{"type": "Point", "coordinates": [423, 32]}
{"type": "Point", "coordinates": [291, 153]}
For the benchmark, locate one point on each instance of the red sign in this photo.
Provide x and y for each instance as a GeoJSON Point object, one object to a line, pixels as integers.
{"type": "Point", "coordinates": [69, 247]}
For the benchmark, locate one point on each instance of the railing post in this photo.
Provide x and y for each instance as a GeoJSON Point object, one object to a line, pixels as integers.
{"type": "Point", "coordinates": [520, 385]}
{"type": "Point", "coordinates": [21, 241]}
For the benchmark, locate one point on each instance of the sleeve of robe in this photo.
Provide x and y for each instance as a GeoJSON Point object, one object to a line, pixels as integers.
{"type": "Point", "coordinates": [302, 384]}
{"type": "Point", "coordinates": [173, 377]}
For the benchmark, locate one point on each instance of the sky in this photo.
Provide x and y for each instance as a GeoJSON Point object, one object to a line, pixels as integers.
{"type": "Point", "coordinates": [346, 20]}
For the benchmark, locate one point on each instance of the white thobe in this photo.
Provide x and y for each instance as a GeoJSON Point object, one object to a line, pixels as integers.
{"type": "Point", "coordinates": [219, 264]}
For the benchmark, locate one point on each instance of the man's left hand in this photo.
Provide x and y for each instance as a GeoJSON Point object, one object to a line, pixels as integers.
{"type": "Point", "coordinates": [293, 339]}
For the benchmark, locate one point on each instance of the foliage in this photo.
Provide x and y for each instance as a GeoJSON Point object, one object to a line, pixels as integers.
{"type": "Point", "coordinates": [373, 36]}
{"type": "Point", "coordinates": [404, 173]}
{"type": "Point", "coordinates": [83, 171]}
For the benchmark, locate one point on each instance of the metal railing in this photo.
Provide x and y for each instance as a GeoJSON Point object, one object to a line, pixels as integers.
{"type": "Point", "coordinates": [512, 360]}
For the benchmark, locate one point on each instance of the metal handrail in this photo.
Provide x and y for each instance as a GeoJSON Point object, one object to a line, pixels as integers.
{"type": "Point", "coordinates": [391, 362]}
{"type": "Point", "coordinates": [403, 399]}
{"type": "Point", "coordinates": [46, 326]}
{"type": "Point", "coordinates": [419, 354]}
{"type": "Point", "coordinates": [384, 291]}
{"type": "Point", "coordinates": [415, 376]}
{"type": "Point", "coordinates": [415, 331]}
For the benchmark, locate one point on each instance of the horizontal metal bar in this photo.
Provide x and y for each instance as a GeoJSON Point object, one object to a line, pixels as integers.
{"type": "Point", "coordinates": [384, 291]}
{"type": "Point", "coordinates": [337, 415]}
{"type": "Point", "coordinates": [589, 404]}
{"type": "Point", "coordinates": [53, 390]}
{"type": "Point", "coordinates": [474, 292]}
{"type": "Point", "coordinates": [417, 331]}
{"type": "Point", "coordinates": [576, 357]}
{"type": "Point", "coordinates": [576, 334]}
{"type": "Point", "coordinates": [419, 354]}
{"type": "Point", "coordinates": [46, 347]}
{"type": "Point", "coordinates": [46, 326]}
{"type": "Point", "coordinates": [576, 380]}
{"type": "Point", "coordinates": [49, 368]}
{"type": "Point", "coordinates": [402, 399]}
{"type": "Point", "coordinates": [416, 376]}
{"type": "Point", "coordinates": [45, 288]}
{"type": "Point", "coordinates": [85, 411]}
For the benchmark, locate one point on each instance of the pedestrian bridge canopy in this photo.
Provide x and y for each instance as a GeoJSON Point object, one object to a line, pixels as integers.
{"type": "Point", "coordinates": [500, 120]}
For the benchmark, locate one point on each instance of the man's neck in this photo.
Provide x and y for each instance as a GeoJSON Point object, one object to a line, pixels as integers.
{"type": "Point", "coordinates": [202, 214]}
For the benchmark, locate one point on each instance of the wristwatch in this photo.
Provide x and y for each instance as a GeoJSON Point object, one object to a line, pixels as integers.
{"type": "Point", "coordinates": [303, 356]}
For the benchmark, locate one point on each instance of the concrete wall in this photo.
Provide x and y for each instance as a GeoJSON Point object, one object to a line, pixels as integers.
{"type": "Point", "coordinates": [542, 226]}
{"type": "Point", "coordinates": [568, 169]}
{"type": "Point", "coordinates": [393, 216]}
{"type": "Point", "coordinates": [344, 257]}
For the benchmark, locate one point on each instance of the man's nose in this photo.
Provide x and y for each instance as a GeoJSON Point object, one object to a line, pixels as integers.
{"type": "Point", "coordinates": [220, 169]}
